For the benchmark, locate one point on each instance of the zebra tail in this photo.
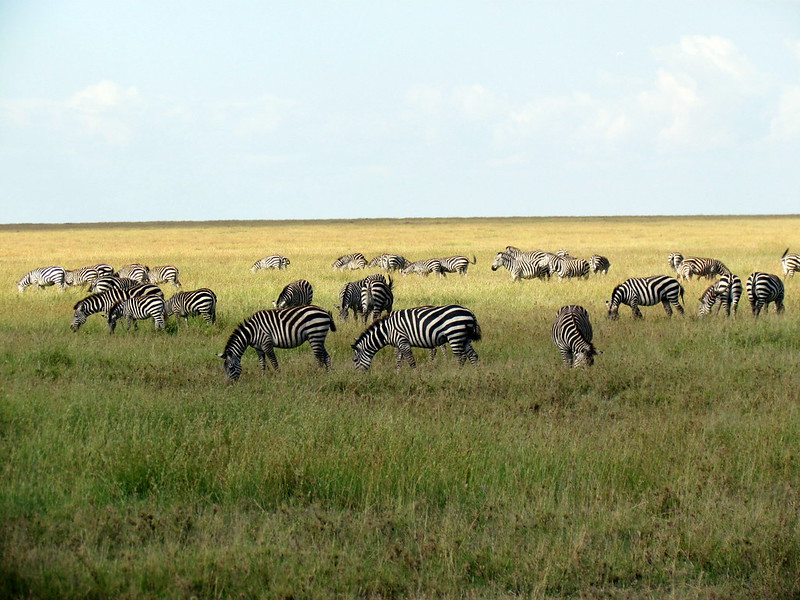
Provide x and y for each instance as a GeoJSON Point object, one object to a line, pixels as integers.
{"type": "Point", "coordinates": [332, 322]}
{"type": "Point", "coordinates": [785, 252]}
{"type": "Point", "coordinates": [475, 332]}
{"type": "Point", "coordinates": [474, 260]}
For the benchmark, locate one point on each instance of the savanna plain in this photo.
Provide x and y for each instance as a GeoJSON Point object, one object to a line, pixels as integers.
{"type": "Point", "coordinates": [131, 468]}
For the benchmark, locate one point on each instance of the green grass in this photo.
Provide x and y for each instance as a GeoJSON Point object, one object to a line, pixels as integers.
{"type": "Point", "coordinates": [132, 469]}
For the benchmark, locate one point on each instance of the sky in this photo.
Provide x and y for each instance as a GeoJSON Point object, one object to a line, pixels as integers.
{"type": "Point", "coordinates": [172, 110]}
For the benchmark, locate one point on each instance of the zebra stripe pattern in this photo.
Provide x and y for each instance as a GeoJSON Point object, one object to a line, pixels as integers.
{"type": "Point", "coordinates": [350, 299]}
{"type": "Point", "coordinates": [572, 335]}
{"type": "Point", "coordinates": [425, 267]}
{"type": "Point", "coordinates": [646, 291]}
{"type": "Point", "coordinates": [762, 289]}
{"type": "Point", "coordinates": [790, 264]}
{"type": "Point", "coordinates": [701, 267]}
{"type": "Point", "coordinates": [81, 276]}
{"type": "Point", "coordinates": [273, 261]}
{"type": "Point", "coordinates": [278, 328]}
{"type": "Point", "coordinates": [598, 263]}
{"type": "Point", "coordinates": [296, 293]}
{"type": "Point", "coordinates": [457, 264]}
{"type": "Point", "coordinates": [164, 274]}
{"type": "Point", "coordinates": [420, 327]}
{"type": "Point", "coordinates": [136, 308]}
{"type": "Point", "coordinates": [376, 297]}
{"type": "Point", "coordinates": [112, 283]}
{"type": "Point", "coordinates": [726, 292]}
{"type": "Point", "coordinates": [350, 261]}
{"type": "Point", "coordinates": [134, 271]}
{"type": "Point", "coordinates": [390, 262]}
{"type": "Point", "coordinates": [43, 277]}
{"type": "Point", "coordinates": [103, 301]}
{"type": "Point", "coordinates": [104, 269]}
{"type": "Point", "coordinates": [195, 302]}
{"type": "Point", "coordinates": [518, 267]}
{"type": "Point", "coordinates": [567, 267]}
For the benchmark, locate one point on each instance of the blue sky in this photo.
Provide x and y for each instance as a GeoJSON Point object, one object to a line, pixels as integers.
{"type": "Point", "coordinates": [176, 110]}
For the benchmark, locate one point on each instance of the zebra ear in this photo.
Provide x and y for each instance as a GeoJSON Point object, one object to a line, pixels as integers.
{"type": "Point", "coordinates": [221, 355]}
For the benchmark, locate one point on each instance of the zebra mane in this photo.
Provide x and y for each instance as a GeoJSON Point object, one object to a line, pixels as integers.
{"type": "Point", "coordinates": [376, 324]}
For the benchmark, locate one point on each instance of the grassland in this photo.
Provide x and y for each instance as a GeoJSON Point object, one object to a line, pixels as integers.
{"type": "Point", "coordinates": [132, 469]}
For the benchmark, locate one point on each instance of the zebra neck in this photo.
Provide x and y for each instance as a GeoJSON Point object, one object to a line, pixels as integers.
{"type": "Point", "coordinates": [237, 343]}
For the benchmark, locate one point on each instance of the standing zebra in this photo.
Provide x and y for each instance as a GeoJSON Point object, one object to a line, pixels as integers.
{"type": "Point", "coordinates": [196, 302]}
{"type": "Point", "coordinates": [103, 301]}
{"type": "Point", "coordinates": [421, 327]}
{"type": "Point", "coordinates": [376, 297]}
{"type": "Point", "coordinates": [273, 261]}
{"type": "Point", "coordinates": [457, 264]}
{"type": "Point", "coordinates": [278, 328]}
{"type": "Point", "coordinates": [138, 307]}
{"type": "Point", "coordinates": [674, 260]}
{"type": "Point", "coordinates": [424, 267]}
{"type": "Point", "coordinates": [790, 264]}
{"type": "Point", "coordinates": [599, 263]}
{"type": "Point", "coordinates": [646, 291]}
{"type": "Point", "coordinates": [519, 268]}
{"type": "Point", "coordinates": [572, 335]}
{"type": "Point", "coordinates": [297, 293]}
{"type": "Point", "coordinates": [134, 271]}
{"type": "Point", "coordinates": [763, 288]}
{"type": "Point", "coordinates": [81, 276]}
{"type": "Point", "coordinates": [727, 292]}
{"type": "Point", "coordinates": [350, 299]}
{"type": "Point", "coordinates": [567, 267]}
{"type": "Point", "coordinates": [43, 277]}
{"type": "Point", "coordinates": [701, 267]}
{"type": "Point", "coordinates": [390, 262]}
{"type": "Point", "coordinates": [350, 261]}
{"type": "Point", "coordinates": [163, 274]}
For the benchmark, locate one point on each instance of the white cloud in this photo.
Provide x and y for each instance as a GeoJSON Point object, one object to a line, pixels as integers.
{"type": "Point", "coordinates": [786, 123]}
{"type": "Point", "coordinates": [106, 109]}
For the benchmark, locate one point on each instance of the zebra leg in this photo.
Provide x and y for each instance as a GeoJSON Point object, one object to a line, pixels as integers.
{"type": "Point", "coordinates": [567, 357]}
{"type": "Point", "coordinates": [404, 351]}
{"type": "Point", "coordinates": [321, 354]}
{"type": "Point", "coordinates": [635, 310]}
{"type": "Point", "coordinates": [779, 308]}
{"type": "Point", "coordinates": [262, 362]}
{"type": "Point", "coordinates": [158, 322]}
{"type": "Point", "coordinates": [667, 307]}
{"type": "Point", "coordinates": [269, 350]}
{"type": "Point", "coordinates": [470, 353]}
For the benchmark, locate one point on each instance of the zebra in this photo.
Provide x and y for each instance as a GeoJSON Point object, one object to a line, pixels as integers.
{"type": "Point", "coordinates": [572, 335]}
{"type": "Point", "coordinates": [163, 274]}
{"type": "Point", "coordinates": [112, 283]}
{"type": "Point", "coordinates": [43, 277]}
{"type": "Point", "coordinates": [424, 267]}
{"type": "Point", "coordinates": [296, 293]}
{"type": "Point", "coordinates": [646, 291]}
{"type": "Point", "coordinates": [103, 269]}
{"type": "Point", "coordinates": [81, 276]}
{"type": "Point", "coordinates": [421, 327]}
{"type": "Point", "coordinates": [763, 288]}
{"type": "Point", "coordinates": [598, 263]}
{"type": "Point", "coordinates": [457, 264]}
{"type": "Point", "coordinates": [790, 264]}
{"type": "Point", "coordinates": [350, 299]}
{"type": "Point", "coordinates": [196, 302]}
{"type": "Point", "coordinates": [134, 271]}
{"type": "Point", "coordinates": [273, 261]}
{"type": "Point", "coordinates": [350, 261]}
{"type": "Point", "coordinates": [103, 301]}
{"type": "Point", "coordinates": [390, 262]}
{"type": "Point", "coordinates": [138, 307]}
{"type": "Point", "coordinates": [519, 268]}
{"type": "Point", "coordinates": [727, 292]}
{"type": "Point", "coordinates": [674, 260]}
{"type": "Point", "coordinates": [544, 261]}
{"type": "Point", "coordinates": [701, 267]}
{"type": "Point", "coordinates": [278, 328]}
{"type": "Point", "coordinates": [376, 297]}
{"type": "Point", "coordinates": [568, 267]}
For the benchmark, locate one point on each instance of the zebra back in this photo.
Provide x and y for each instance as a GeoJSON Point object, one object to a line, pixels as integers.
{"type": "Point", "coordinates": [790, 263]}
{"type": "Point", "coordinates": [81, 276]}
{"type": "Point", "coordinates": [138, 307]}
{"type": "Point", "coordinates": [202, 301]}
{"type": "Point", "coordinates": [296, 293]}
{"type": "Point", "coordinates": [273, 261]}
{"type": "Point", "coordinates": [43, 277]}
{"type": "Point", "coordinates": [350, 261]}
{"type": "Point", "coordinates": [763, 289]}
{"type": "Point", "coordinates": [572, 334]}
{"type": "Point", "coordinates": [164, 274]}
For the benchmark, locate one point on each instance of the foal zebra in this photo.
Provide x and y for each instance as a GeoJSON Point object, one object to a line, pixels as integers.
{"type": "Point", "coordinates": [457, 264]}
{"type": "Point", "coordinates": [727, 292]}
{"type": "Point", "coordinates": [43, 277]}
{"type": "Point", "coordinates": [296, 293]}
{"type": "Point", "coordinates": [81, 276]}
{"type": "Point", "coordinates": [134, 271]}
{"type": "Point", "coordinates": [646, 291]}
{"type": "Point", "coordinates": [572, 335]}
{"type": "Point", "coordinates": [138, 307]}
{"type": "Point", "coordinates": [519, 268]}
{"type": "Point", "coordinates": [790, 264]}
{"type": "Point", "coordinates": [163, 274]}
{"type": "Point", "coordinates": [273, 261]}
{"type": "Point", "coordinates": [425, 267]}
{"type": "Point", "coordinates": [763, 288]}
{"type": "Point", "coordinates": [196, 302]}
{"type": "Point", "coordinates": [376, 297]}
{"type": "Point", "coordinates": [350, 261]}
{"type": "Point", "coordinates": [103, 301]}
{"type": "Point", "coordinates": [278, 328]}
{"type": "Point", "coordinates": [421, 327]}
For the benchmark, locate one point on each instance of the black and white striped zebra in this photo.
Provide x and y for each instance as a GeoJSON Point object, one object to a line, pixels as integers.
{"type": "Point", "coordinates": [790, 263]}
{"type": "Point", "coordinates": [763, 289]}
{"type": "Point", "coordinates": [278, 328]}
{"type": "Point", "coordinates": [424, 267]}
{"type": "Point", "coordinates": [164, 274]}
{"type": "Point", "coordinates": [567, 267]}
{"type": "Point", "coordinates": [43, 277]}
{"type": "Point", "coordinates": [350, 299]}
{"type": "Point", "coordinates": [112, 283]}
{"type": "Point", "coordinates": [674, 260]}
{"type": "Point", "coordinates": [646, 291]}
{"type": "Point", "coordinates": [457, 264]}
{"type": "Point", "coordinates": [134, 271]}
{"type": "Point", "coordinates": [202, 301]}
{"type": "Point", "coordinates": [598, 263]}
{"type": "Point", "coordinates": [136, 308]}
{"type": "Point", "coordinates": [544, 261]}
{"type": "Point", "coordinates": [104, 269]}
{"type": "Point", "coordinates": [103, 301]}
{"type": "Point", "coordinates": [296, 293]}
{"type": "Point", "coordinates": [519, 268]}
{"type": "Point", "coordinates": [350, 262]}
{"type": "Point", "coordinates": [420, 327]}
{"type": "Point", "coordinates": [81, 276]}
{"type": "Point", "coordinates": [726, 292]}
{"type": "Point", "coordinates": [376, 297]}
{"type": "Point", "coordinates": [390, 262]}
{"type": "Point", "coordinates": [709, 268]}
{"type": "Point", "coordinates": [572, 335]}
{"type": "Point", "coordinates": [273, 261]}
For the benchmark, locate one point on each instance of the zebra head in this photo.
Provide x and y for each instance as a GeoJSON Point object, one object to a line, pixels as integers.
{"type": "Point", "coordinates": [708, 300]}
{"type": "Point", "coordinates": [232, 364]}
{"type": "Point", "coordinates": [78, 319]}
{"type": "Point", "coordinates": [500, 260]}
{"type": "Point", "coordinates": [585, 358]}
{"type": "Point", "coordinates": [613, 309]}
{"type": "Point", "coordinates": [362, 355]}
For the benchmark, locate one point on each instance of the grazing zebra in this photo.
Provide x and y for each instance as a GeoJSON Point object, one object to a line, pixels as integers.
{"type": "Point", "coordinates": [572, 335]}
{"type": "Point", "coordinates": [518, 267]}
{"type": "Point", "coordinates": [273, 261]}
{"type": "Point", "coordinates": [701, 267]}
{"type": "Point", "coordinates": [790, 264]}
{"type": "Point", "coordinates": [421, 327]}
{"type": "Point", "coordinates": [567, 267]}
{"type": "Point", "coordinates": [763, 288]}
{"type": "Point", "coordinates": [599, 263]}
{"type": "Point", "coordinates": [138, 307]}
{"type": "Point", "coordinates": [350, 299]}
{"type": "Point", "coordinates": [457, 264]}
{"type": "Point", "coordinates": [134, 271]}
{"type": "Point", "coordinates": [112, 283]}
{"type": "Point", "coordinates": [81, 276]}
{"type": "Point", "coordinates": [424, 267]}
{"type": "Point", "coordinates": [646, 291]}
{"type": "Point", "coordinates": [103, 301]}
{"type": "Point", "coordinates": [297, 293]}
{"type": "Point", "coordinates": [196, 302]}
{"type": "Point", "coordinates": [674, 260]}
{"type": "Point", "coordinates": [43, 277]}
{"type": "Point", "coordinates": [163, 274]}
{"type": "Point", "coordinates": [350, 261]}
{"type": "Point", "coordinates": [390, 262]}
{"type": "Point", "coordinates": [727, 292]}
{"type": "Point", "coordinates": [376, 297]}
{"type": "Point", "coordinates": [278, 328]}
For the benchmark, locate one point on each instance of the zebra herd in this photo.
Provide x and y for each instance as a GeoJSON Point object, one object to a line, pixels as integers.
{"type": "Point", "coordinates": [539, 264]}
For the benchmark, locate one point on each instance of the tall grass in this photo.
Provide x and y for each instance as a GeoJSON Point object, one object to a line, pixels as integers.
{"type": "Point", "coordinates": [131, 468]}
